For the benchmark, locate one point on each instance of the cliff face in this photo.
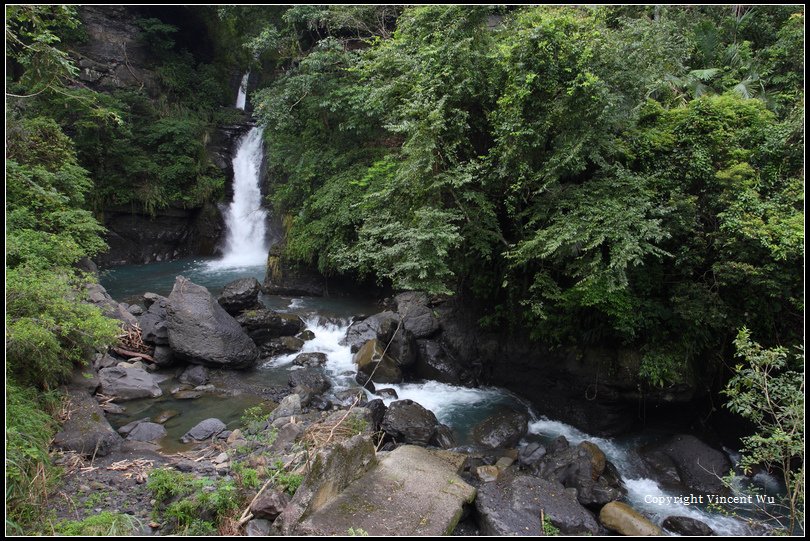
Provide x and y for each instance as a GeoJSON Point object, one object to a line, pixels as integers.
{"type": "Point", "coordinates": [114, 56]}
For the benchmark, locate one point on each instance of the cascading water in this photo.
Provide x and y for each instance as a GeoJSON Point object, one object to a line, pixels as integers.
{"type": "Point", "coordinates": [245, 219]}
{"type": "Point", "coordinates": [241, 97]}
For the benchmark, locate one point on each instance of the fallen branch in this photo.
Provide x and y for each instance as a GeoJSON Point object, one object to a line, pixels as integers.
{"type": "Point", "coordinates": [127, 353]}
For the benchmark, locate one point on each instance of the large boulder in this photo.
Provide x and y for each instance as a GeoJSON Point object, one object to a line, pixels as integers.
{"type": "Point", "coordinates": [581, 467]}
{"type": "Point", "coordinates": [128, 383]}
{"type": "Point", "coordinates": [433, 363]}
{"type": "Point", "coordinates": [309, 382]}
{"type": "Point", "coordinates": [686, 460]}
{"type": "Point", "coordinates": [379, 326]}
{"type": "Point", "coordinates": [202, 332]}
{"type": "Point", "coordinates": [204, 430]}
{"type": "Point", "coordinates": [240, 295]}
{"type": "Point", "coordinates": [411, 492]}
{"type": "Point", "coordinates": [623, 519]}
{"type": "Point", "coordinates": [503, 429]}
{"type": "Point", "coordinates": [377, 366]}
{"type": "Point", "coordinates": [417, 316]}
{"type": "Point", "coordinates": [331, 470]}
{"type": "Point", "coordinates": [87, 430]}
{"type": "Point", "coordinates": [154, 329]}
{"type": "Point", "coordinates": [406, 421]}
{"type": "Point", "coordinates": [146, 431]}
{"type": "Point", "coordinates": [264, 325]}
{"type": "Point", "coordinates": [512, 505]}
{"type": "Point", "coordinates": [310, 359]}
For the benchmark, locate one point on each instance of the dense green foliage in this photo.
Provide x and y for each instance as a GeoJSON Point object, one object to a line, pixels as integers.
{"type": "Point", "coordinates": [768, 390]}
{"type": "Point", "coordinates": [612, 175]}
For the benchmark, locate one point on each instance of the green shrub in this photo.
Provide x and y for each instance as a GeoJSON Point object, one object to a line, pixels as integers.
{"type": "Point", "coordinates": [102, 524]}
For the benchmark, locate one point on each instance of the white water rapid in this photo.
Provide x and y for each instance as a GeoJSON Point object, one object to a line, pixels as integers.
{"type": "Point", "coordinates": [461, 408]}
{"type": "Point", "coordinates": [241, 96]}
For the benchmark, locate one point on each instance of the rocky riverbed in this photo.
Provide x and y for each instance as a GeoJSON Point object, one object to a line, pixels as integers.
{"type": "Point", "coordinates": [177, 423]}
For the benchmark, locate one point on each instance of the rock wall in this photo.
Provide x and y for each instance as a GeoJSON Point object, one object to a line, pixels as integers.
{"type": "Point", "coordinates": [136, 237]}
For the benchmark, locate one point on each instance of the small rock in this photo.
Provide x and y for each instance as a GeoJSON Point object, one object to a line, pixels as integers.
{"type": "Point", "coordinates": [194, 375]}
{"type": "Point", "coordinates": [113, 408]}
{"type": "Point", "coordinates": [233, 436]}
{"type": "Point", "coordinates": [135, 310]}
{"type": "Point", "coordinates": [487, 473]}
{"type": "Point", "coordinates": [289, 406]}
{"type": "Point", "coordinates": [205, 388]}
{"type": "Point", "coordinates": [306, 335]}
{"type": "Point", "coordinates": [504, 462]}
{"type": "Point", "coordinates": [165, 415]}
{"type": "Point", "coordinates": [127, 428]}
{"type": "Point", "coordinates": [220, 458]}
{"type": "Point", "coordinates": [531, 454]}
{"type": "Point", "coordinates": [387, 393]}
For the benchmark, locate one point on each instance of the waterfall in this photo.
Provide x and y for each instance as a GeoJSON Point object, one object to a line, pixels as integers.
{"type": "Point", "coordinates": [245, 219]}
{"type": "Point", "coordinates": [241, 96]}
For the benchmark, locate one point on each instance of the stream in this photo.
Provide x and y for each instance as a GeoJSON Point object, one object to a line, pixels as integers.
{"type": "Point", "coordinates": [458, 407]}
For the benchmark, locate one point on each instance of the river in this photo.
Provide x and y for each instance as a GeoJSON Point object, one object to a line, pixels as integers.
{"type": "Point", "coordinates": [458, 407]}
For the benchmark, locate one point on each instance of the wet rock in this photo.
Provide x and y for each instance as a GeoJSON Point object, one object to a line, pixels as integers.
{"type": "Point", "coordinates": [310, 359]}
{"type": "Point", "coordinates": [574, 468]}
{"type": "Point", "coordinates": [203, 430]}
{"type": "Point", "coordinates": [379, 367]}
{"type": "Point", "coordinates": [408, 422]}
{"type": "Point", "coordinates": [443, 437]}
{"type": "Point", "coordinates": [502, 429]}
{"type": "Point", "coordinates": [281, 346]}
{"type": "Point", "coordinates": [623, 519]}
{"type": "Point", "coordinates": [417, 316]}
{"type": "Point", "coordinates": [146, 431]}
{"type": "Point", "coordinates": [687, 526]}
{"type": "Point", "coordinates": [531, 454]}
{"type": "Point", "coordinates": [128, 383]}
{"type": "Point", "coordinates": [311, 379]}
{"type": "Point", "coordinates": [306, 335]}
{"type": "Point", "coordinates": [512, 504]}
{"type": "Point", "coordinates": [202, 332]}
{"type": "Point", "coordinates": [364, 382]}
{"type": "Point", "coordinates": [165, 415]}
{"type": "Point", "coordinates": [186, 394]}
{"type": "Point", "coordinates": [559, 443]}
{"type": "Point", "coordinates": [264, 325]}
{"type": "Point", "coordinates": [87, 430]}
{"type": "Point", "coordinates": [269, 504]}
{"type": "Point", "coordinates": [597, 458]}
{"type": "Point", "coordinates": [376, 409]}
{"type": "Point", "coordinates": [387, 393]}
{"type": "Point", "coordinates": [240, 295]}
{"type": "Point", "coordinates": [379, 326]}
{"type": "Point", "coordinates": [194, 375]}
{"type": "Point", "coordinates": [348, 397]}
{"type": "Point", "coordinates": [434, 364]}
{"type": "Point", "coordinates": [686, 460]}
{"type": "Point", "coordinates": [112, 408]}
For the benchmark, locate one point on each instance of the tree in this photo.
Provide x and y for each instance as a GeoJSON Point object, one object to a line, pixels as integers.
{"type": "Point", "coordinates": [768, 390]}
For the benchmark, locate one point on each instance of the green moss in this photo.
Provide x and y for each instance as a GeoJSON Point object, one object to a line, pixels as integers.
{"type": "Point", "coordinates": [102, 524]}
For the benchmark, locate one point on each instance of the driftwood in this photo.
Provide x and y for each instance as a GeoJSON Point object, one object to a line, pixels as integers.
{"type": "Point", "coordinates": [127, 353]}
